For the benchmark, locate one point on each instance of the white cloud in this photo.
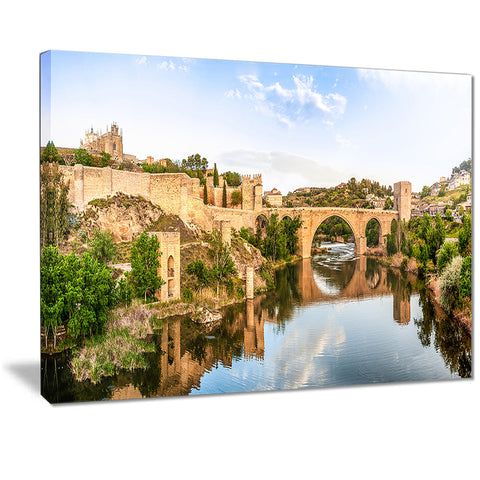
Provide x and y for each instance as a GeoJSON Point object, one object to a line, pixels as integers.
{"type": "Point", "coordinates": [170, 65]}
{"type": "Point", "coordinates": [233, 94]}
{"type": "Point", "coordinates": [141, 60]}
{"type": "Point", "coordinates": [400, 80]}
{"type": "Point", "coordinates": [282, 170]}
{"type": "Point", "coordinates": [344, 142]}
{"type": "Point", "coordinates": [290, 105]}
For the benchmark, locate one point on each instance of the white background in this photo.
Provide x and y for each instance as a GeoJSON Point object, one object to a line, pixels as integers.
{"type": "Point", "coordinates": [425, 430]}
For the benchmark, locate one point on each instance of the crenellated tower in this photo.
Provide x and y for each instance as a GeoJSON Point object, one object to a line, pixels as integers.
{"type": "Point", "coordinates": [252, 191]}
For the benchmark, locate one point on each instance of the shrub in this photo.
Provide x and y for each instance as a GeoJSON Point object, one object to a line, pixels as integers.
{"type": "Point", "coordinates": [236, 197]}
{"type": "Point", "coordinates": [391, 244]}
{"type": "Point", "coordinates": [187, 295]}
{"type": "Point", "coordinates": [466, 277]}
{"type": "Point", "coordinates": [465, 236]}
{"type": "Point", "coordinates": [200, 271]}
{"type": "Point", "coordinates": [450, 285]}
{"type": "Point", "coordinates": [403, 265]}
{"type": "Point", "coordinates": [447, 251]}
{"type": "Point", "coordinates": [124, 291]}
{"type": "Point", "coordinates": [102, 247]}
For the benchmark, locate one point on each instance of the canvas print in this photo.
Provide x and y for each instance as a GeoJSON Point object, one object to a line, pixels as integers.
{"type": "Point", "coordinates": [214, 226]}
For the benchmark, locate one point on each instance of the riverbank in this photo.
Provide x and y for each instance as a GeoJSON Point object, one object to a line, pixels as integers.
{"type": "Point", "coordinates": [432, 283]}
{"type": "Point", "coordinates": [463, 317]}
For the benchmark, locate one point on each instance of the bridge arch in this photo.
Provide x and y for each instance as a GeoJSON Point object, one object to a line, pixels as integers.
{"type": "Point", "coordinates": [373, 238]}
{"type": "Point", "coordinates": [313, 217]}
{"type": "Point", "coordinates": [316, 225]}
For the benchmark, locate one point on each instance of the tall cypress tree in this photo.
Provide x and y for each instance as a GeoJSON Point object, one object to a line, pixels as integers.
{"type": "Point", "coordinates": [205, 194]}
{"type": "Point", "coordinates": [224, 198]}
{"type": "Point", "coordinates": [215, 176]}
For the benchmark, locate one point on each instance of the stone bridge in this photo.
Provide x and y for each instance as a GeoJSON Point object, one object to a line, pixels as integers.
{"type": "Point", "coordinates": [356, 218]}
{"type": "Point", "coordinates": [178, 194]}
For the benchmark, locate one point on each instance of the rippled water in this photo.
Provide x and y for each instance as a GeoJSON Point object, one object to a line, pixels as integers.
{"type": "Point", "coordinates": [333, 320]}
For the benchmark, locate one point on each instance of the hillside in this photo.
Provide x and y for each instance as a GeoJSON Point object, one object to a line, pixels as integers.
{"type": "Point", "coordinates": [352, 194]}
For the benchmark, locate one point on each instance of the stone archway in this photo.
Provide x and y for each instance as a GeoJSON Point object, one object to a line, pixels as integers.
{"type": "Point", "coordinates": [357, 238]}
{"type": "Point", "coordinates": [369, 232]}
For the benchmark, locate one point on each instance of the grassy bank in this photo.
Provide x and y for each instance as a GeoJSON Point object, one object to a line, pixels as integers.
{"type": "Point", "coordinates": [121, 347]}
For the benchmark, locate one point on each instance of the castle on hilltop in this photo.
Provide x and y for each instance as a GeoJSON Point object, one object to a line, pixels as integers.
{"type": "Point", "coordinates": [110, 142]}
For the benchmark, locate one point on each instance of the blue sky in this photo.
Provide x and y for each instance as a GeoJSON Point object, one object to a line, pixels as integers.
{"type": "Point", "coordinates": [298, 125]}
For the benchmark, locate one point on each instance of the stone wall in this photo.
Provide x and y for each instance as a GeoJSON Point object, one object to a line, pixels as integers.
{"type": "Point", "coordinates": [170, 191]}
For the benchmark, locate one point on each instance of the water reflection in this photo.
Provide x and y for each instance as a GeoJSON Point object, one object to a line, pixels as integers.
{"type": "Point", "coordinates": [333, 320]}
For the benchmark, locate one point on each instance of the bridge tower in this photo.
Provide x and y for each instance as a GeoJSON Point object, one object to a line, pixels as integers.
{"type": "Point", "coordinates": [169, 268]}
{"type": "Point", "coordinates": [402, 199]}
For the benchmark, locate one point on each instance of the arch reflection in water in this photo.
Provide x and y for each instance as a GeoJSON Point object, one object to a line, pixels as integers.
{"type": "Point", "coordinates": [297, 336]}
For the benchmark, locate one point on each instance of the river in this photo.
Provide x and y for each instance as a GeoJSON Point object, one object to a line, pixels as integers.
{"type": "Point", "coordinates": [332, 320]}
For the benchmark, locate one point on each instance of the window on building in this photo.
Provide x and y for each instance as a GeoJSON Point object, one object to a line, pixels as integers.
{"type": "Point", "coordinates": [114, 146]}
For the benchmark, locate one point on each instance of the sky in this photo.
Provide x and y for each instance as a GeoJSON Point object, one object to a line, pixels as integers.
{"type": "Point", "coordinates": [297, 125]}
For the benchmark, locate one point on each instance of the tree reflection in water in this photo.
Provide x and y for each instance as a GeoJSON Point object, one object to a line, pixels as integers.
{"type": "Point", "coordinates": [453, 343]}
{"type": "Point", "coordinates": [186, 352]}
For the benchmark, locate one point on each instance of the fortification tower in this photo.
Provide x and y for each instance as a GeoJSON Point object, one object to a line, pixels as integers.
{"type": "Point", "coordinates": [402, 199]}
{"type": "Point", "coordinates": [169, 268]}
{"type": "Point", "coordinates": [252, 192]}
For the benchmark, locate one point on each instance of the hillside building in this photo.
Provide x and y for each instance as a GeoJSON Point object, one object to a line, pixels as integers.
{"type": "Point", "coordinates": [273, 197]}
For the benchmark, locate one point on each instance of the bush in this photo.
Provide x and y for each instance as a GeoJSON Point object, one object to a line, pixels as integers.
{"type": "Point", "coordinates": [124, 291]}
{"type": "Point", "coordinates": [391, 244]}
{"type": "Point", "coordinates": [450, 285]}
{"type": "Point", "coordinates": [447, 251]}
{"type": "Point", "coordinates": [466, 277]}
{"type": "Point", "coordinates": [465, 236]}
{"type": "Point", "coordinates": [102, 247]}
{"type": "Point", "coordinates": [201, 272]}
{"type": "Point", "coordinates": [403, 265]}
{"type": "Point", "coordinates": [187, 295]}
{"type": "Point", "coordinates": [236, 197]}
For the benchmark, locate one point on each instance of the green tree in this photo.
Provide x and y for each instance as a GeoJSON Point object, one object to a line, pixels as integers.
{"type": "Point", "coordinates": [105, 159]}
{"type": "Point", "coordinates": [54, 205]}
{"type": "Point", "coordinates": [52, 295]}
{"type": "Point", "coordinates": [450, 297]}
{"type": "Point", "coordinates": [124, 291]}
{"type": "Point", "coordinates": [83, 157]}
{"type": "Point", "coordinates": [233, 179]}
{"type": "Point", "coordinates": [145, 263]}
{"type": "Point", "coordinates": [290, 229]}
{"type": "Point", "coordinates": [194, 162]}
{"type": "Point", "coordinates": [77, 292]}
{"type": "Point", "coordinates": [448, 215]}
{"type": "Point", "coordinates": [236, 197]}
{"type": "Point", "coordinates": [50, 154]}
{"type": "Point", "coordinates": [391, 244]}
{"type": "Point", "coordinates": [215, 176]}
{"type": "Point", "coordinates": [388, 204]}
{"type": "Point", "coordinates": [102, 247]}
{"type": "Point", "coordinates": [372, 233]}
{"type": "Point", "coordinates": [442, 192]}
{"type": "Point", "coordinates": [223, 265]}
{"type": "Point", "coordinates": [224, 195]}
{"type": "Point", "coordinates": [205, 194]}
{"type": "Point", "coordinates": [465, 236]}
{"type": "Point", "coordinates": [201, 272]}
{"type": "Point", "coordinates": [466, 277]}
{"type": "Point", "coordinates": [447, 251]}
{"type": "Point", "coordinates": [275, 242]}
{"type": "Point", "coordinates": [90, 297]}
{"type": "Point", "coordinates": [425, 191]}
